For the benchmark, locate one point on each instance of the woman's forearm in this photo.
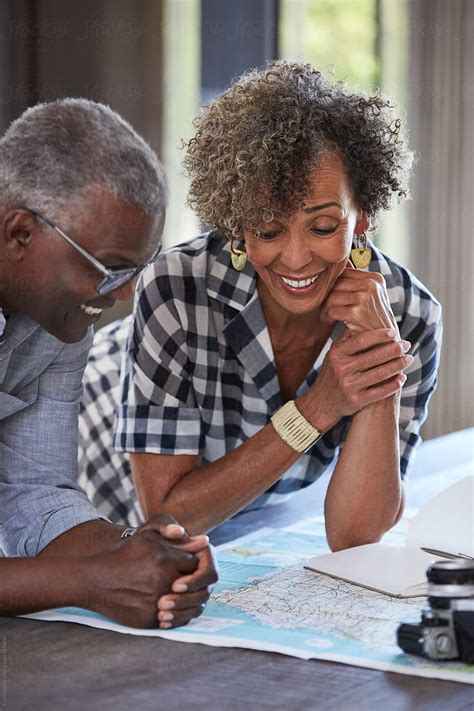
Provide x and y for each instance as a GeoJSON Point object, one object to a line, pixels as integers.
{"type": "Point", "coordinates": [32, 584]}
{"type": "Point", "coordinates": [365, 494]}
{"type": "Point", "coordinates": [202, 498]}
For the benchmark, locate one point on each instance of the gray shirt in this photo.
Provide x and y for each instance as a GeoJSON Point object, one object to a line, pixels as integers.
{"type": "Point", "coordinates": [40, 387]}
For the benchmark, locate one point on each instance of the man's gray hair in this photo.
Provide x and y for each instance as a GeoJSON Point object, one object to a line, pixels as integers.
{"type": "Point", "coordinates": [55, 154]}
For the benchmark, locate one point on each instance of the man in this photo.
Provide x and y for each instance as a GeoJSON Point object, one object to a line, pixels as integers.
{"type": "Point", "coordinates": [82, 202]}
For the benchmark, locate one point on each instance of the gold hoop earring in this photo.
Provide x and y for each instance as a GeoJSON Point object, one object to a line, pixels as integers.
{"type": "Point", "coordinates": [238, 257]}
{"type": "Point", "coordinates": [361, 254]}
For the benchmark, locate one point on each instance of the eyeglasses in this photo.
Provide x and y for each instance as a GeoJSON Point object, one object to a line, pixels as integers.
{"type": "Point", "coordinates": [113, 278]}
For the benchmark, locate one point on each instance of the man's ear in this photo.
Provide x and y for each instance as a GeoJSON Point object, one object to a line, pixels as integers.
{"type": "Point", "coordinates": [17, 230]}
{"type": "Point", "coordinates": [363, 222]}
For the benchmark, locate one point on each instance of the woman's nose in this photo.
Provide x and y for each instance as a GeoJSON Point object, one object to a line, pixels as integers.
{"type": "Point", "coordinates": [296, 253]}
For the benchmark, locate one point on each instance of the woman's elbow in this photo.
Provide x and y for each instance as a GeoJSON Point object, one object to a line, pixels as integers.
{"type": "Point", "coordinates": [340, 540]}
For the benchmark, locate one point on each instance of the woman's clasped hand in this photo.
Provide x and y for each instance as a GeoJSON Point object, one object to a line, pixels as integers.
{"type": "Point", "coordinates": [361, 369]}
{"type": "Point", "coordinates": [366, 363]}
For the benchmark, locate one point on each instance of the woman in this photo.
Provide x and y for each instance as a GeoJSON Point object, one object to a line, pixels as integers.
{"type": "Point", "coordinates": [260, 356]}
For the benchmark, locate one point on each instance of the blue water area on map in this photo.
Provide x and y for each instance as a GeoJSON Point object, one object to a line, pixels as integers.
{"type": "Point", "coordinates": [270, 547]}
{"type": "Point", "coordinates": [234, 572]}
{"type": "Point", "coordinates": [248, 627]}
{"type": "Point", "coordinates": [80, 612]}
{"type": "Point", "coordinates": [296, 638]}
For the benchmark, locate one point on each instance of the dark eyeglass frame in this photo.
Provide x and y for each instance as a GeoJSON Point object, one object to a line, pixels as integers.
{"type": "Point", "coordinates": [113, 279]}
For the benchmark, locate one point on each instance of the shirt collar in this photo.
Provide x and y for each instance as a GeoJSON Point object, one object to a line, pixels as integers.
{"type": "Point", "coordinates": [226, 284]}
{"type": "Point", "coordinates": [3, 322]}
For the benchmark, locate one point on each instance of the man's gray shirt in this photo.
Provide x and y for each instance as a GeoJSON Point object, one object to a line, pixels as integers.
{"type": "Point", "coordinates": [40, 387]}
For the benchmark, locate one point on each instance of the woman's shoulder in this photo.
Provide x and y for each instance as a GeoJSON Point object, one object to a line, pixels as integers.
{"type": "Point", "coordinates": [182, 270]}
{"type": "Point", "coordinates": [194, 257]}
{"type": "Point", "coordinates": [405, 291]}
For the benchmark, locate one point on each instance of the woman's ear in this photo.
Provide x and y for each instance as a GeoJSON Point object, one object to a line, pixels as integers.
{"type": "Point", "coordinates": [363, 223]}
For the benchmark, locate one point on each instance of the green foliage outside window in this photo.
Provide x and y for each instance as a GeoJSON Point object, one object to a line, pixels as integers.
{"type": "Point", "coordinates": [337, 36]}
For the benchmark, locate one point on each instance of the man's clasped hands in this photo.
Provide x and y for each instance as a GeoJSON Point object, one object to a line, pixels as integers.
{"type": "Point", "coordinates": [160, 575]}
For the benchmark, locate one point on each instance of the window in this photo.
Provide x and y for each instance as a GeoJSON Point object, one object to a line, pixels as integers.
{"type": "Point", "coordinates": [181, 99]}
{"type": "Point", "coordinates": [338, 37]}
{"type": "Point", "coordinates": [363, 42]}
{"type": "Point", "coordinates": [360, 41]}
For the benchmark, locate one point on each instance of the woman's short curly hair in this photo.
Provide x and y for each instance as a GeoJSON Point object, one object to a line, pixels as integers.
{"type": "Point", "coordinates": [256, 145]}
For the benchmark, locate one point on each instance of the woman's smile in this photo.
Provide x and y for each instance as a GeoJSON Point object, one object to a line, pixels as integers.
{"type": "Point", "coordinates": [297, 293]}
{"type": "Point", "coordinates": [297, 285]}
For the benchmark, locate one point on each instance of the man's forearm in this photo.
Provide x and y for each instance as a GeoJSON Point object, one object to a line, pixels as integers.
{"type": "Point", "coordinates": [30, 584]}
{"type": "Point", "coordinates": [85, 539]}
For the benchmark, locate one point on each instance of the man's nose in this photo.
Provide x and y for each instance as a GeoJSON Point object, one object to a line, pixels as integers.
{"type": "Point", "coordinates": [296, 254]}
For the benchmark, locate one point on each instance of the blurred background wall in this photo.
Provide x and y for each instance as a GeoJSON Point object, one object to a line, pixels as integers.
{"type": "Point", "coordinates": [155, 61]}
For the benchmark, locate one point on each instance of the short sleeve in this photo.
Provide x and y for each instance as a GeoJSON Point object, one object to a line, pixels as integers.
{"type": "Point", "coordinates": [158, 411]}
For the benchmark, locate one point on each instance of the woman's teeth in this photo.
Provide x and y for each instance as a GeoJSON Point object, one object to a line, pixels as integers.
{"type": "Point", "coordinates": [90, 310]}
{"type": "Point", "coordinates": [299, 283]}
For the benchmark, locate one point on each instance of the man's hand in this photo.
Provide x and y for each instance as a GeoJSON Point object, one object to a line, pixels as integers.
{"type": "Point", "coordinates": [125, 582]}
{"type": "Point", "coordinates": [191, 592]}
{"type": "Point", "coordinates": [173, 533]}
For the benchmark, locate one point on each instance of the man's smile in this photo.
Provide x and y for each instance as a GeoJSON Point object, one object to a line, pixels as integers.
{"type": "Point", "coordinates": [90, 310]}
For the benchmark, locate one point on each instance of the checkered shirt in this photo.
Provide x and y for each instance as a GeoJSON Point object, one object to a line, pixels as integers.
{"type": "Point", "coordinates": [200, 376]}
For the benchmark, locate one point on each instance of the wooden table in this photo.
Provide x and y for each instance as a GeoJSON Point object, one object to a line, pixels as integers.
{"type": "Point", "coordinates": [65, 667]}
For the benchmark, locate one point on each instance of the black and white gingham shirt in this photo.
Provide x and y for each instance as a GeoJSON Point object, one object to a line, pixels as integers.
{"type": "Point", "coordinates": [200, 375]}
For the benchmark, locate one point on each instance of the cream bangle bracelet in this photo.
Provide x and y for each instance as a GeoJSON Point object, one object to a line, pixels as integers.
{"type": "Point", "coordinates": [293, 428]}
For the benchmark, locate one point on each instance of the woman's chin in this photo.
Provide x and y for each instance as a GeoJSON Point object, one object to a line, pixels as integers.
{"type": "Point", "coordinates": [300, 300]}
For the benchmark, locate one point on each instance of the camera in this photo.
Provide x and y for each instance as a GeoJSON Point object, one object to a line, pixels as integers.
{"type": "Point", "coordinates": [446, 629]}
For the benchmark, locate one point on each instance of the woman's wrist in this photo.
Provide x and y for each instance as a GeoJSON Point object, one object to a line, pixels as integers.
{"type": "Point", "coordinates": [316, 411]}
{"type": "Point", "coordinates": [387, 407]}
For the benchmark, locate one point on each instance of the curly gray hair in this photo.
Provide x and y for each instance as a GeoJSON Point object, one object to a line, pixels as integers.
{"type": "Point", "coordinates": [55, 154]}
{"type": "Point", "coordinates": [255, 146]}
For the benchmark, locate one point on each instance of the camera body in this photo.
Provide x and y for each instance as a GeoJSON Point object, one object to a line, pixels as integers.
{"type": "Point", "coordinates": [446, 629]}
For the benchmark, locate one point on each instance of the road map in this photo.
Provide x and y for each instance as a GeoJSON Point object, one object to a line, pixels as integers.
{"type": "Point", "coordinates": [266, 600]}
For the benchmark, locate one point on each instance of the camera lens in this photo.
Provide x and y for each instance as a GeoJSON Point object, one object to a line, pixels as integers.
{"type": "Point", "coordinates": [451, 572]}
{"type": "Point", "coordinates": [450, 580]}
